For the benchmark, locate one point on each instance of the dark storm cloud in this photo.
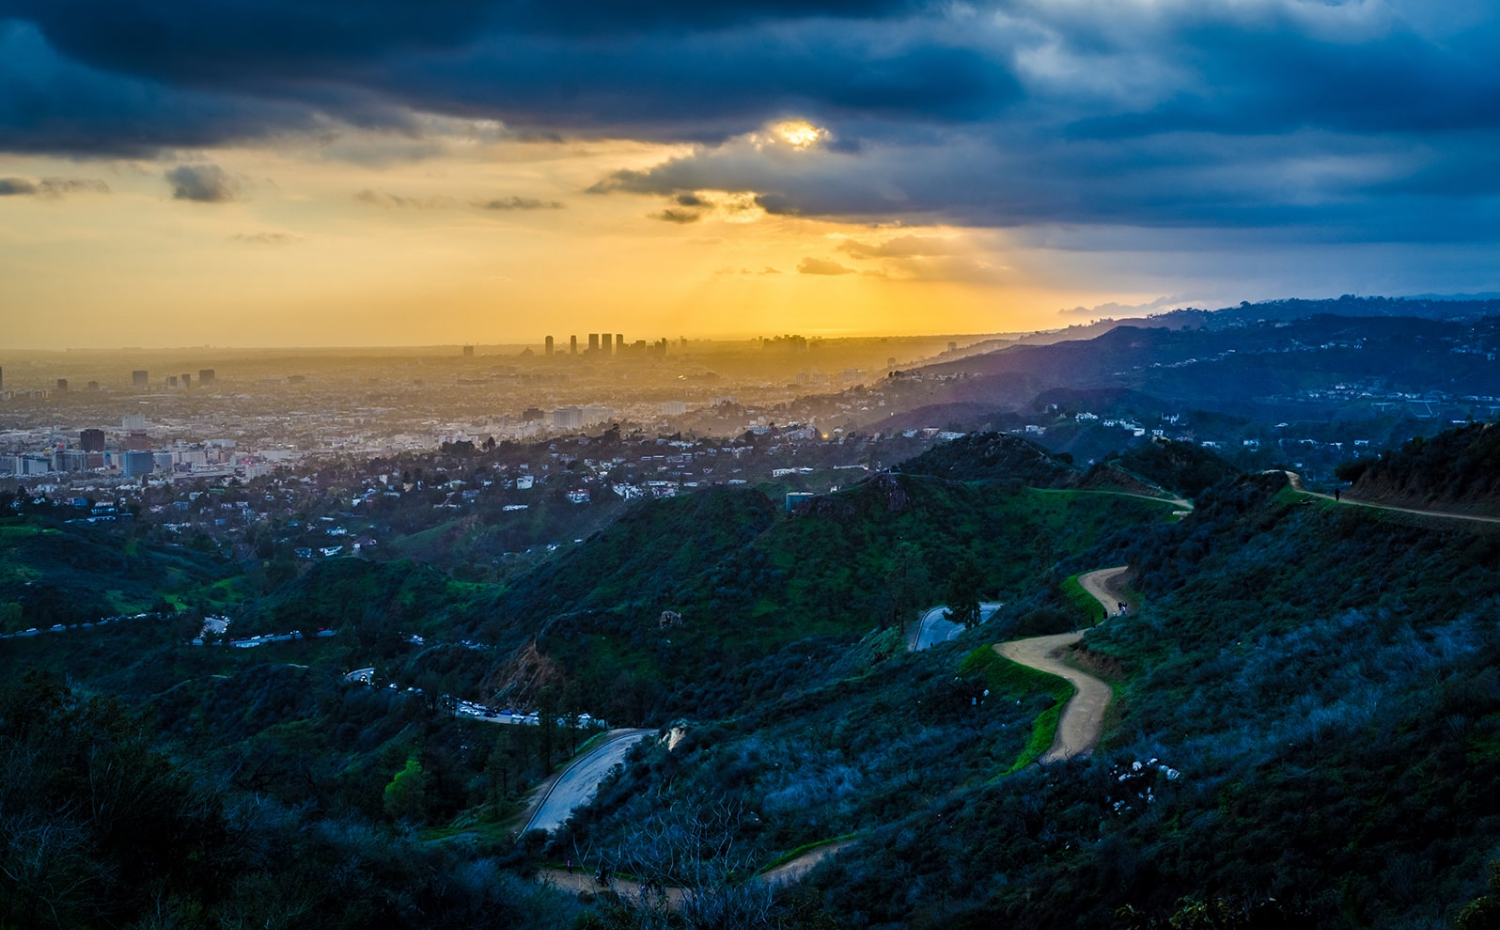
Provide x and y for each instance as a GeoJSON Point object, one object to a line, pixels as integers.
{"type": "Point", "coordinates": [202, 184]}
{"type": "Point", "coordinates": [1356, 119]}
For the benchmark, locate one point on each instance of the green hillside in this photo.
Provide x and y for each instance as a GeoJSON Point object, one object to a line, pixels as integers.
{"type": "Point", "coordinates": [760, 602]}
{"type": "Point", "coordinates": [54, 572]}
{"type": "Point", "coordinates": [1456, 470]}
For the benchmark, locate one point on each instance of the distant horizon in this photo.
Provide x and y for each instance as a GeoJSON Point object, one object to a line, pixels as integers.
{"type": "Point", "coordinates": [1079, 319]}
{"type": "Point", "coordinates": [561, 346]}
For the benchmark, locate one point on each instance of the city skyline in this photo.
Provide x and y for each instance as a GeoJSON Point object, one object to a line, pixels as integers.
{"type": "Point", "coordinates": [284, 175]}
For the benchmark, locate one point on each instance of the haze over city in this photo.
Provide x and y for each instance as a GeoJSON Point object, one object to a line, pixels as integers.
{"type": "Point", "coordinates": [287, 174]}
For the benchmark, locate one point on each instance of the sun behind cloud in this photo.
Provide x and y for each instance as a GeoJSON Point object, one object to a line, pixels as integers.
{"type": "Point", "coordinates": [799, 133]}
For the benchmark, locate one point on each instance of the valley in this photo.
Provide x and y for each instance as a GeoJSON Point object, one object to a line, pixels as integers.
{"type": "Point", "coordinates": [912, 700]}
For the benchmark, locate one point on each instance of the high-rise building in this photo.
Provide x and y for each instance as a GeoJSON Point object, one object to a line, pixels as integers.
{"type": "Point", "coordinates": [952, 347]}
{"type": "Point", "coordinates": [93, 385]}
{"type": "Point", "coordinates": [548, 350]}
{"type": "Point", "coordinates": [572, 345]}
{"type": "Point", "coordinates": [186, 379]}
{"type": "Point", "coordinates": [468, 351]}
{"type": "Point", "coordinates": [91, 440]}
{"type": "Point", "coordinates": [567, 418]}
{"type": "Point", "coordinates": [593, 342]}
{"type": "Point", "coordinates": [137, 463]}
{"type": "Point", "coordinates": [2, 379]}
{"type": "Point", "coordinates": [62, 385]}
{"type": "Point", "coordinates": [619, 343]}
{"type": "Point", "coordinates": [134, 422]}
{"type": "Point", "coordinates": [205, 377]}
{"type": "Point", "coordinates": [171, 381]}
{"type": "Point", "coordinates": [606, 345]}
{"type": "Point", "coordinates": [138, 378]}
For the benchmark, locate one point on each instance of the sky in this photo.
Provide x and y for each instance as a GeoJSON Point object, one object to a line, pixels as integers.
{"type": "Point", "coordinates": [382, 172]}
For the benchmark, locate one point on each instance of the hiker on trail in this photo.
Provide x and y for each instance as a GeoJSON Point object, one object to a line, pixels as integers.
{"type": "Point", "coordinates": [570, 866]}
{"type": "Point", "coordinates": [1335, 495]}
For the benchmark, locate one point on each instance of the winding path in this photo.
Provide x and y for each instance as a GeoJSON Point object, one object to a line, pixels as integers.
{"type": "Point", "coordinates": [1083, 716]}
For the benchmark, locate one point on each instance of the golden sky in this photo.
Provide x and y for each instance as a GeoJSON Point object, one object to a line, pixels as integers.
{"type": "Point", "coordinates": [466, 235]}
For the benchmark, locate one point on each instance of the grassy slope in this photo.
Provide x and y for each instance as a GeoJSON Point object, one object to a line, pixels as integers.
{"type": "Point", "coordinates": [1326, 685]}
{"type": "Point", "coordinates": [68, 573]}
{"type": "Point", "coordinates": [750, 583]}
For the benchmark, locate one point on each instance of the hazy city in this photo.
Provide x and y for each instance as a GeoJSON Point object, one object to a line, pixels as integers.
{"type": "Point", "coordinates": [495, 466]}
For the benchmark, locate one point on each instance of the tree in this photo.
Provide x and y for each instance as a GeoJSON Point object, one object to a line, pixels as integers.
{"type": "Point", "coordinates": [504, 761]}
{"type": "Point", "coordinates": [1483, 913]}
{"type": "Point", "coordinates": [547, 714]}
{"type": "Point", "coordinates": [406, 795]}
{"type": "Point", "coordinates": [698, 847]}
{"type": "Point", "coordinates": [906, 583]}
{"type": "Point", "coordinates": [963, 593]}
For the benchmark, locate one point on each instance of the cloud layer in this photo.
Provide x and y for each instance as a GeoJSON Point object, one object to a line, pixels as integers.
{"type": "Point", "coordinates": [1334, 119]}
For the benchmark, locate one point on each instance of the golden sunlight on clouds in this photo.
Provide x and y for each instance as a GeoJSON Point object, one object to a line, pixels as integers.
{"type": "Point", "coordinates": [799, 134]}
{"type": "Point", "coordinates": [363, 241]}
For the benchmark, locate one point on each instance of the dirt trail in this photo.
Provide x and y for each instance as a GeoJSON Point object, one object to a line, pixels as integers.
{"type": "Point", "coordinates": [581, 881]}
{"type": "Point", "coordinates": [1082, 719]}
{"type": "Point", "coordinates": [794, 870]}
{"type": "Point", "coordinates": [1420, 513]}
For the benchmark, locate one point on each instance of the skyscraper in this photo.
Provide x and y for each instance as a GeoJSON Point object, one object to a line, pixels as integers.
{"type": "Point", "coordinates": [606, 344]}
{"type": "Point", "coordinates": [619, 343]}
{"type": "Point", "coordinates": [138, 462]}
{"type": "Point", "coordinates": [205, 377]}
{"type": "Point", "coordinates": [548, 350]}
{"type": "Point", "coordinates": [62, 385]}
{"type": "Point", "coordinates": [138, 378]}
{"type": "Point", "coordinates": [572, 345]}
{"type": "Point", "coordinates": [593, 342]}
{"type": "Point", "coordinates": [91, 440]}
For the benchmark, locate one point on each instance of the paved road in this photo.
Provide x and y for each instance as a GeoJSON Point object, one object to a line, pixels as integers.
{"type": "Point", "coordinates": [579, 782]}
{"type": "Point", "coordinates": [1083, 716]}
{"type": "Point", "coordinates": [933, 629]}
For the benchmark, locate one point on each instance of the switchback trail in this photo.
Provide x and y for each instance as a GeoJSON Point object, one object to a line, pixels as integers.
{"type": "Point", "coordinates": [1083, 716]}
